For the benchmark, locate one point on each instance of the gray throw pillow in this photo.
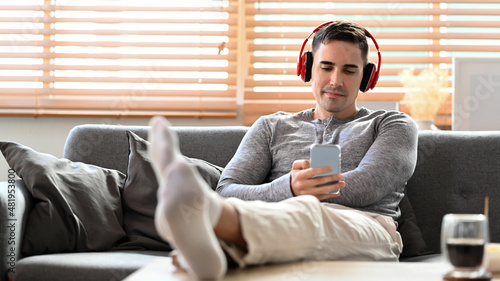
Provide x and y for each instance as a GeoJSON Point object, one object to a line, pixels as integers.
{"type": "Point", "coordinates": [413, 241]}
{"type": "Point", "coordinates": [139, 196]}
{"type": "Point", "coordinates": [77, 206]}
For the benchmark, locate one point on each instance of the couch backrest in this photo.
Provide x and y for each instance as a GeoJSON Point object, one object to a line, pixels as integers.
{"type": "Point", "coordinates": [455, 170]}
{"type": "Point", "coordinates": [107, 145]}
{"type": "Point", "coordinates": [454, 173]}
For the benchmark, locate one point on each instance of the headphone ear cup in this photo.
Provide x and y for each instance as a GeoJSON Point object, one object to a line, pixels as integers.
{"type": "Point", "coordinates": [368, 77]}
{"type": "Point", "coordinates": [307, 66]}
{"type": "Point", "coordinates": [300, 66]}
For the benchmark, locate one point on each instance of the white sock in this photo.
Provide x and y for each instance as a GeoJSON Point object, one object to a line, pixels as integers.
{"type": "Point", "coordinates": [166, 146]}
{"type": "Point", "coordinates": [187, 208]}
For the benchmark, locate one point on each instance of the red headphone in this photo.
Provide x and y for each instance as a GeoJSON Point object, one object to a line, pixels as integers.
{"type": "Point", "coordinates": [370, 72]}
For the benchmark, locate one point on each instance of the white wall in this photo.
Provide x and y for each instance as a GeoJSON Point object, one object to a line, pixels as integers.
{"type": "Point", "coordinates": [48, 134]}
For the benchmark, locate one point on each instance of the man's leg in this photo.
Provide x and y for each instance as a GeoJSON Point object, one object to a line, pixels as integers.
{"type": "Point", "coordinates": [228, 228]}
{"type": "Point", "coordinates": [302, 228]}
{"type": "Point", "coordinates": [188, 210]}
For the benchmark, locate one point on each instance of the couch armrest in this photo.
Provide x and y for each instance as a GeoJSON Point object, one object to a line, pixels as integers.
{"type": "Point", "coordinates": [15, 206]}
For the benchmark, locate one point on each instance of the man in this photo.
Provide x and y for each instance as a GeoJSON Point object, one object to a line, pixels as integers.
{"type": "Point", "coordinates": [378, 147]}
{"type": "Point", "coordinates": [378, 157]}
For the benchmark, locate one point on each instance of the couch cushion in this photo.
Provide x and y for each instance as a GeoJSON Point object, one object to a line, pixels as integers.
{"type": "Point", "coordinates": [454, 172]}
{"type": "Point", "coordinates": [105, 266]}
{"type": "Point", "coordinates": [413, 241]}
{"type": "Point", "coordinates": [139, 196]}
{"type": "Point", "coordinates": [77, 206]}
{"type": "Point", "coordinates": [107, 146]}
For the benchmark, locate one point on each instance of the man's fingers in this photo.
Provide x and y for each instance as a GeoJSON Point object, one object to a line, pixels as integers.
{"type": "Point", "coordinates": [326, 196]}
{"type": "Point", "coordinates": [329, 188]}
{"type": "Point", "coordinates": [305, 180]}
{"type": "Point", "coordinates": [301, 164]}
{"type": "Point", "coordinates": [329, 179]}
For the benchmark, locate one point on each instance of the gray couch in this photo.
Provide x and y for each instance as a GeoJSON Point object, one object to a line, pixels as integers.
{"type": "Point", "coordinates": [455, 171]}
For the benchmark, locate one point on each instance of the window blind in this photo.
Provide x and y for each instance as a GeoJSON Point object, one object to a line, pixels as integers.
{"type": "Point", "coordinates": [119, 58]}
{"type": "Point", "coordinates": [411, 33]}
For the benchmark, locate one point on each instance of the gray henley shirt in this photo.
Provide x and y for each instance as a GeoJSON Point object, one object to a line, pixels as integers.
{"type": "Point", "coordinates": [379, 154]}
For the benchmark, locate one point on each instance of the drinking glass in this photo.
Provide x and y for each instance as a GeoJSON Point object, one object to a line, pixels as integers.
{"type": "Point", "coordinates": [463, 240]}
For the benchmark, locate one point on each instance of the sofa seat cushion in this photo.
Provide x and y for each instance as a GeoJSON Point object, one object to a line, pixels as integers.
{"type": "Point", "coordinates": [424, 258]}
{"type": "Point", "coordinates": [94, 266]}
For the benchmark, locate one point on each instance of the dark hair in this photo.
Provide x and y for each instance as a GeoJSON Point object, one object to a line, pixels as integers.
{"type": "Point", "coordinates": [342, 30]}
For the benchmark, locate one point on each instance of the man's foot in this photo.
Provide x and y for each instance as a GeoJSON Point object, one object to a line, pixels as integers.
{"type": "Point", "coordinates": [166, 145]}
{"type": "Point", "coordinates": [187, 208]}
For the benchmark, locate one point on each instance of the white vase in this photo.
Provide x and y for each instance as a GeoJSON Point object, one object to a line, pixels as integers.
{"type": "Point", "coordinates": [426, 125]}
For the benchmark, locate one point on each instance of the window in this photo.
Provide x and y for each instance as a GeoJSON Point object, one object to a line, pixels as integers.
{"type": "Point", "coordinates": [409, 33]}
{"type": "Point", "coordinates": [202, 58]}
{"type": "Point", "coordinates": [118, 58]}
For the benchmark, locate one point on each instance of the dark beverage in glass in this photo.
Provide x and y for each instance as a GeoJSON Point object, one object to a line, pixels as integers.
{"type": "Point", "coordinates": [465, 252]}
{"type": "Point", "coordinates": [463, 238]}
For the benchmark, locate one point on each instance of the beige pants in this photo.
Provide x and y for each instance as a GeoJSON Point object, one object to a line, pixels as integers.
{"type": "Point", "coordinates": [302, 228]}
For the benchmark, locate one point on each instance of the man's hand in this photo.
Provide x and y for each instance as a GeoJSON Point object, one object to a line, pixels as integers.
{"type": "Point", "coordinates": [303, 183]}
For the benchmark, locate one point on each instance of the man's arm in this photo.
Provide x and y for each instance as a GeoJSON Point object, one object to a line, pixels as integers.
{"type": "Point", "coordinates": [245, 175]}
{"type": "Point", "coordinates": [387, 165]}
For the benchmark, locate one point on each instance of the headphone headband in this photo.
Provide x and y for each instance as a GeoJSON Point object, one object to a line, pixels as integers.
{"type": "Point", "coordinates": [376, 75]}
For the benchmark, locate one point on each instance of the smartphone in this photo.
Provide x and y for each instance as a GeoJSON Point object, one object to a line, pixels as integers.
{"type": "Point", "coordinates": [322, 155]}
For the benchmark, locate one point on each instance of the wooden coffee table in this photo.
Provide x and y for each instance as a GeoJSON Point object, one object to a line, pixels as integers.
{"type": "Point", "coordinates": [162, 269]}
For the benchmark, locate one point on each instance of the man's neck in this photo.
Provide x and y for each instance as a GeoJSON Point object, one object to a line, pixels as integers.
{"type": "Point", "coordinates": [322, 114]}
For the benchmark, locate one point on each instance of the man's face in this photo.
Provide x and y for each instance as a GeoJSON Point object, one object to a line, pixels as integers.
{"type": "Point", "coordinates": [337, 71]}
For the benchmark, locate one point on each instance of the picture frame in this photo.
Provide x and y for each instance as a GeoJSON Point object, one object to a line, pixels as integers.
{"type": "Point", "coordinates": [476, 94]}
